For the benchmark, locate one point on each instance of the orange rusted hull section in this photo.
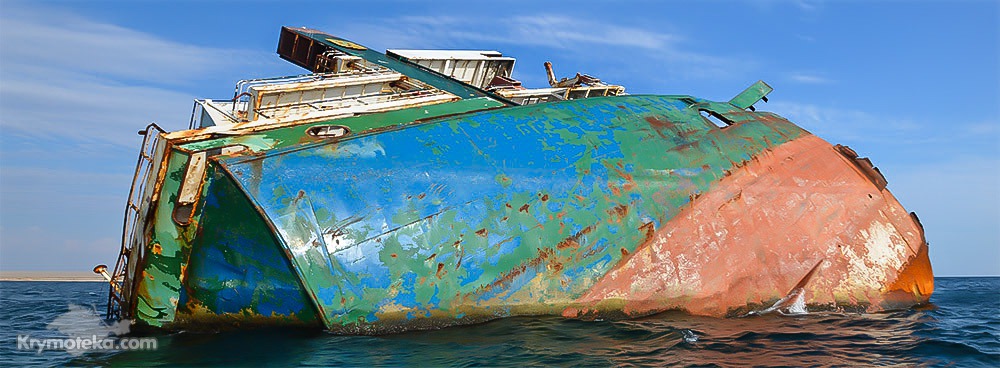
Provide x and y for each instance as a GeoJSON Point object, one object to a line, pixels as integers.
{"type": "Point", "coordinates": [914, 282]}
{"type": "Point", "coordinates": [757, 233]}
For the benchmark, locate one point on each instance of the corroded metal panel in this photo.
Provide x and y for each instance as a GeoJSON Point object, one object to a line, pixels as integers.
{"type": "Point", "coordinates": [482, 216]}
{"type": "Point", "coordinates": [471, 210]}
{"type": "Point", "coordinates": [263, 138]}
{"type": "Point", "coordinates": [159, 282]}
{"type": "Point", "coordinates": [644, 206]}
{"type": "Point", "coordinates": [237, 274]}
{"type": "Point", "coordinates": [760, 230]}
{"type": "Point", "coordinates": [175, 226]}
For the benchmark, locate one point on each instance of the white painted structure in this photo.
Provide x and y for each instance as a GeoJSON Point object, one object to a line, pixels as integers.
{"type": "Point", "coordinates": [473, 67]}
{"type": "Point", "coordinates": [358, 86]}
{"type": "Point", "coordinates": [316, 96]}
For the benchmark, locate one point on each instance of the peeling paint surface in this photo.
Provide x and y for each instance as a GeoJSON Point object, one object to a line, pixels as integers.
{"type": "Point", "coordinates": [760, 230]}
{"type": "Point", "coordinates": [160, 284]}
{"type": "Point", "coordinates": [237, 272]}
{"type": "Point", "coordinates": [597, 208]}
{"type": "Point", "coordinates": [483, 216]}
{"type": "Point", "coordinates": [475, 209]}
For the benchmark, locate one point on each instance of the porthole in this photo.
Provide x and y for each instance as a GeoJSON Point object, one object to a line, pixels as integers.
{"type": "Point", "coordinates": [328, 131]}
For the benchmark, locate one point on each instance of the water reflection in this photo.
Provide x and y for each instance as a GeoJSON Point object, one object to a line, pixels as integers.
{"type": "Point", "coordinates": [668, 338]}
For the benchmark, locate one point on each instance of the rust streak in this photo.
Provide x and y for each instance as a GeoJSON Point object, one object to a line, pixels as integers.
{"type": "Point", "coordinates": [543, 255]}
{"type": "Point", "coordinates": [659, 125]}
{"type": "Point", "coordinates": [649, 229]}
{"type": "Point", "coordinates": [629, 180]}
{"type": "Point", "coordinates": [574, 241]}
{"type": "Point", "coordinates": [568, 243]}
{"type": "Point", "coordinates": [618, 212]}
{"type": "Point", "coordinates": [656, 122]}
{"type": "Point", "coordinates": [614, 189]}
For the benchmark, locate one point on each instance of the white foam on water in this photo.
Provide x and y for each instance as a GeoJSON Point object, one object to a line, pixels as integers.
{"type": "Point", "coordinates": [792, 304]}
{"type": "Point", "coordinates": [798, 304]}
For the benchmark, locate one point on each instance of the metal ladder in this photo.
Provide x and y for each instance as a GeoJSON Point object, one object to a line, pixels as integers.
{"type": "Point", "coordinates": [120, 292]}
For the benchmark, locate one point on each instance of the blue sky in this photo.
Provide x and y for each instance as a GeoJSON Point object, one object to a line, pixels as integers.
{"type": "Point", "coordinates": [914, 85]}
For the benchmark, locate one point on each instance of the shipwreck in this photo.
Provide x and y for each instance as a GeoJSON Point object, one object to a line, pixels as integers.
{"type": "Point", "coordinates": [418, 189]}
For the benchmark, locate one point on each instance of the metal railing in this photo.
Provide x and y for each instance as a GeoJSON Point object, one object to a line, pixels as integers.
{"type": "Point", "coordinates": [243, 87]}
{"type": "Point", "coordinates": [202, 105]}
{"type": "Point", "coordinates": [121, 290]}
{"type": "Point", "coordinates": [303, 108]}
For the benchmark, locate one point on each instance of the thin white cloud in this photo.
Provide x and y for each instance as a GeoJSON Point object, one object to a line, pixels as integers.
{"type": "Point", "coordinates": [805, 6]}
{"type": "Point", "coordinates": [83, 109]}
{"type": "Point", "coordinates": [66, 76]}
{"type": "Point", "coordinates": [557, 34]}
{"type": "Point", "coordinates": [51, 38]}
{"type": "Point", "coordinates": [73, 93]}
{"type": "Point", "coordinates": [852, 125]}
{"type": "Point", "coordinates": [567, 33]}
{"type": "Point", "coordinates": [809, 39]}
{"type": "Point", "coordinates": [808, 5]}
{"type": "Point", "coordinates": [549, 31]}
{"type": "Point", "coordinates": [983, 127]}
{"type": "Point", "coordinates": [826, 122]}
{"type": "Point", "coordinates": [808, 78]}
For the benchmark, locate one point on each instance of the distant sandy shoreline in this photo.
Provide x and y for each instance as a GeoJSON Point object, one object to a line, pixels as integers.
{"type": "Point", "coordinates": [60, 276]}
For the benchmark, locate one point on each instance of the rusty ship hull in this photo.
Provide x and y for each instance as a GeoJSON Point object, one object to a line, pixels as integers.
{"type": "Point", "coordinates": [471, 208]}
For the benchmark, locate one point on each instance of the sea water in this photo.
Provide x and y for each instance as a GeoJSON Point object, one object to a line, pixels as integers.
{"type": "Point", "coordinates": [960, 327]}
